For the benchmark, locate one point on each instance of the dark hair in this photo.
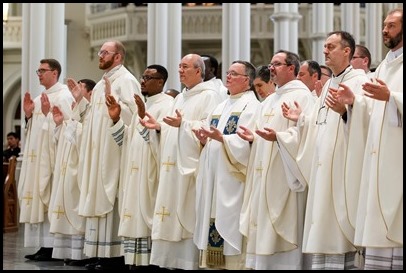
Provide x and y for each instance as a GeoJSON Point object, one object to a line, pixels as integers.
{"type": "Point", "coordinates": [313, 67]}
{"type": "Point", "coordinates": [89, 84]}
{"type": "Point", "coordinates": [346, 40]}
{"type": "Point", "coordinates": [263, 73]}
{"type": "Point", "coordinates": [291, 59]}
{"type": "Point", "coordinates": [249, 70]}
{"type": "Point", "coordinates": [213, 63]}
{"type": "Point", "coordinates": [364, 52]}
{"type": "Point", "coordinates": [330, 72]}
{"type": "Point", "coordinates": [162, 72]}
{"type": "Point", "coordinates": [53, 65]}
{"type": "Point", "coordinates": [13, 134]}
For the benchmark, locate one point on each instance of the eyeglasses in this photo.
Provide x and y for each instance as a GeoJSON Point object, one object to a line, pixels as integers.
{"type": "Point", "coordinates": [276, 65]}
{"type": "Point", "coordinates": [235, 74]}
{"type": "Point", "coordinates": [322, 115]}
{"type": "Point", "coordinates": [146, 78]}
{"type": "Point", "coordinates": [42, 71]}
{"type": "Point", "coordinates": [103, 53]}
{"type": "Point", "coordinates": [325, 74]}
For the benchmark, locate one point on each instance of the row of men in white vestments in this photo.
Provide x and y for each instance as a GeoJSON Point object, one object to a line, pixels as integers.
{"type": "Point", "coordinates": [210, 180]}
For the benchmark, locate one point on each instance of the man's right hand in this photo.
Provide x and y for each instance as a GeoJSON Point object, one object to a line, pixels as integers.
{"type": "Point", "coordinates": [28, 105]}
{"type": "Point", "coordinates": [113, 107]}
{"type": "Point", "coordinates": [57, 115]}
{"type": "Point", "coordinates": [140, 106]}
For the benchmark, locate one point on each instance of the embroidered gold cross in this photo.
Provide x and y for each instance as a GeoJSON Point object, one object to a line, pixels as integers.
{"type": "Point", "coordinates": [163, 213]}
{"type": "Point", "coordinates": [269, 115]}
{"type": "Point", "coordinates": [319, 164]}
{"type": "Point", "coordinates": [28, 197]}
{"type": "Point", "coordinates": [134, 168]}
{"type": "Point", "coordinates": [253, 224]}
{"type": "Point", "coordinates": [168, 164]}
{"type": "Point", "coordinates": [58, 211]}
{"type": "Point", "coordinates": [99, 103]}
{"type": "Point", "coordinates": [126, 215]}
{"type": "Point", "coordinates": [38, 113]}
{"type": "Point", "coordinates": [63, 169]}
{"type": "Point", "coordinates": [373, 152]}
{"type": "Point", "coordinates": [259, 168]}
{"type": "Point", "coordinates": [32, 155]}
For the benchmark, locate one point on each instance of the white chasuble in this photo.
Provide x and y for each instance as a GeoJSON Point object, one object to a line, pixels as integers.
{"type": "Point", "coordinates": [380, 212]}
{"type": "Point", "coordinates": [141, 169]}
{"type": "Point", "coordinates": [34, 186]}
{"type": "Point", "coordinates": [99, 161]}
{"type": "Point", "coordinates": [221, 177]}
{"type": "Point", "coordinates": [273, 208]}
{"type": "Point", "coordinates": [319, 146]}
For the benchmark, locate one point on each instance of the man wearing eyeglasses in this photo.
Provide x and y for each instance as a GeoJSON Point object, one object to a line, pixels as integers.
{"type": "Point", "coordinates": [174, 218]}
{"type": "Point", "coordinates": [319, 148]}
{"type": "Point", "coordinates": [362, 60]}
{"type": "Point", "coordinates": [273, 208]}
{"type": "Point", "coordinates": [99, 165]}
{"type": "Point", "coordinates": [222, 169]}
{"type": "Point", "coordinates": [34, 186]}
{"type": "Point", "coordinates": [140, 161]}
{"type": "Point", "coordinates": [379, 224]}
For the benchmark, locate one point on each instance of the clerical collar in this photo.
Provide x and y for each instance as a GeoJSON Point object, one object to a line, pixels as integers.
{"type": "Point", "coordinates": [238, 95]}
{"type": "Point", "coordinates": [112, 71]}
{"type": "Point", "coordinates": [394, 54]}
{"type": "Point", "coordinates": [339, 74]}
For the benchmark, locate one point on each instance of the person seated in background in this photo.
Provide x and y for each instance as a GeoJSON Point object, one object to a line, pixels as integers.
{"type": "Point", "coordinates": [13, 146]}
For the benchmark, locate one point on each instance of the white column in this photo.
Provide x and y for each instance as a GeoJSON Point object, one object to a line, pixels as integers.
{"type": "Point", "coordinates": [35, 46]}
{"type": "Point", "coordinates": [236, 34]}
{"type": "Point", "coordinates": [245, 30]}
{"type": "Point", "coordinates": [350, 19]}
{"type": "Point", "coordinates": [373, 35]}
{"type": "Point", "coordinates": [322, 24]}
{"type": "Point", "coordinates": [56, 35]}
{"type": "Point", "coordinates": [286, 17]}
{"type": "Point", "coordinates": [32, 51]}
{"type": "Point", "coordinates": [174, 45]}
{"type": "Point", "coordinates": [165, 39]}
{"type": "Point", "coordinates": [44, 36]}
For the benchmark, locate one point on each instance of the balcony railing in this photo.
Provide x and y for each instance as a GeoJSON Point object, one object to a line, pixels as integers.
{"type": "Point", "coordinates": [129, 24]}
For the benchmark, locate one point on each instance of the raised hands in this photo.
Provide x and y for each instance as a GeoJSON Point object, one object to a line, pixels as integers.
{"type": "Point", "coordinates": [150, 123]}
{"type": "Point", "coordinates": [45, 104]}
{"type": "Point", "coordinates": [291, 113]}
{"type": "Point", "coordinates": [376, 90]}
{"type": "Point", "coordinates": [75, 89]}
{"type": "Point", "coordinates": [245, 134]}
{"type": "Point", "coordinates": [140, 105]}
{"type": "Point", "coordinates": [200, 136]}
{"type": "Point", "coordinates": [28, 105]}
{"type": "Point", "coordinates": [113, 107]}
{"type": "Point", "coordinates": [212, 132]}
{"type": "Point", "coordinates": [318, 86]}
{"type": "Point", "coordinates": [267, 134]}
{"type": "Point", "coordinates": [107, 86]}
{"type": "Point", "coordinates": [174, 121]}
{"type": "Point", "coordinates": [333, 102]}
{"type": "Point", "coordinates": [343, 95]}
{"type": "Point", "coordinates": [57, 115]}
